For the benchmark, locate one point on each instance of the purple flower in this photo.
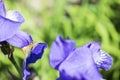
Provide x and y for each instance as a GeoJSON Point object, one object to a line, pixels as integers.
{"type": "Point", "coordinates": [78, 63]}
{"type": "Point", "coordinates": [9, 24]}
{"type": "Point", "coordinates": [35, 54]}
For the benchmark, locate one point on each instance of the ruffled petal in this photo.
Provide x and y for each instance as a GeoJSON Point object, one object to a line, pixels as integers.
{"type": "Point", "coordinates": [94, 46]}
{"type": "Point", "coordinates": [79, 65]}
{"type": "Point", "coordinates": [2, 9]}
{"type": "Point", "coordinates": [101, 58]}
{"type": "Point", "coordinates": [20, 39]}
{"type": "Point", "coordinates": [104, 60]}
{"type": "Point", "coordinates": [35, 54]}
{"type": "Point", "coordinates": [60, 50]}
{"type": "Point", "coordinates": [10, 24]}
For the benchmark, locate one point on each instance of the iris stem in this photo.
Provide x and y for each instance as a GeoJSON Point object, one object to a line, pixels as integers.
{"type": "Point", "coordinates": [11, 58]}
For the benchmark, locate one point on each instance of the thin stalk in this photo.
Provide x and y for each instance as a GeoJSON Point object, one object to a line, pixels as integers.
{"type": "Point", "coordinates": [11, 58]}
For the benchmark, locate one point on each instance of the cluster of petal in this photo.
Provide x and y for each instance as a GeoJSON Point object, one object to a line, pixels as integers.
{"type": "Point", "coordinates": [9, 27]}
{"type": "Point", "coordinates": [35, 54]}
{"type": "Point", "coordinates": [78, 63]}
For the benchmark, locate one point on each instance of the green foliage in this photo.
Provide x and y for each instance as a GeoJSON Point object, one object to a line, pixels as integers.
{"type": "Point", "coordinates": [83, 22]}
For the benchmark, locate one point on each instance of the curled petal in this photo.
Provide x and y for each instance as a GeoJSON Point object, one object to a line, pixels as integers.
{"type": "Point", "coordinates": [60, 50]}
{"type": "Point", "coordinates": [20, 39]}
{"type": "Point", "coordinates": [79, 65]}
{"type": "Point", "coordinates": [10, 24]}
{"type": "Point", "coordinates": [15, 16]}
{"type": "Point", "coordinates": [2, 9]}
{"type": "Point", "coordinates": [35, 54]}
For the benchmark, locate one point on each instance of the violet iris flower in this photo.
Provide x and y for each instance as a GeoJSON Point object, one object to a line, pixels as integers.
{"type": "Point", "coordinates": [35, 54]}
{"type": "Point", "coordinates": [78, 63]}
{"type": "Point", "coordinates": [9, 24]}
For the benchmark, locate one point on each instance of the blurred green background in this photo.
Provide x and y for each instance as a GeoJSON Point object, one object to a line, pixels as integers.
{"type": "Point", "coordinates": [81, 20]}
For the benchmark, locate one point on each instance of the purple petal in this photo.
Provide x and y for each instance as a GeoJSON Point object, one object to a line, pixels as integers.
{"type": "Point", "coordinates": [26, 73]}
{"type": "Point", "coordinates": [94, 46]}
{"type": "Point", "coordinates": [20, 39]}
{"type": "Point", "coordinates": [101, 58]}
{"type": "Point", "coordinates": [2, 9]}
{"type": "Point", "coordinates": [79, 65]}
{"type": "Point", "coordinates": [15, 16]}
{"type": "Point", "coordinates": [35, 54]}
{"type": "Point", "coordinates": [60, 50]}
{"type": "Point", "coordinates": [10, 24]}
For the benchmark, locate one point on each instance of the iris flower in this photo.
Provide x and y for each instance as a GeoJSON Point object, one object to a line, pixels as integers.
{"type": "Point", "coordinates": [9, 24]}
{"type": "Point", "coordinates": [78, 63]}
{"type": "Point", "coordinates": [35, 54]}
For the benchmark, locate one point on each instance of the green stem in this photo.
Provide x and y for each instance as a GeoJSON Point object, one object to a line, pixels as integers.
{"type": "Point", "coordinates": [11, 58]}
